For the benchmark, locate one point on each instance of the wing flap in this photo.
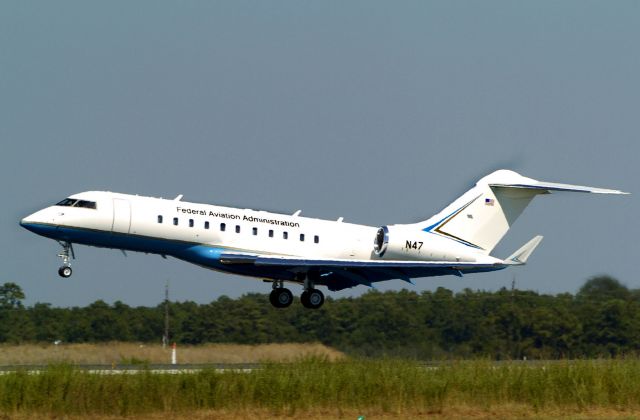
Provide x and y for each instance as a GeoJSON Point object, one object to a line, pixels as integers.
{"type": "Point", "coordinates": [289, 261]}
{"type": "Point", "coordinates": [338, 274]}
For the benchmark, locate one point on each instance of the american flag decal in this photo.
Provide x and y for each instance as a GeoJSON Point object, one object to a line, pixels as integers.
{"type": "Point", "coordinates": [488, 201]}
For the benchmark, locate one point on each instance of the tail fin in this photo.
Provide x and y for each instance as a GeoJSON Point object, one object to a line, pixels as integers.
{"type": "Point", "coordinates": [482, 216]}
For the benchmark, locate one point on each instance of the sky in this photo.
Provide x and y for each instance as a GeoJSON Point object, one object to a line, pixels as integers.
{"type": "Point", "coordinates": [379, 112]}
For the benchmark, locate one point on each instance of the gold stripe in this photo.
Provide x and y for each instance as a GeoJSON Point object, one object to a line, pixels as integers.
{"type": "Point", "coordinates": [451, 218]}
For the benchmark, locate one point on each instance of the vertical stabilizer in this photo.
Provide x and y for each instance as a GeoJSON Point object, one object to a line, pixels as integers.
{"type": "Point", "coordinates": [482, 216]}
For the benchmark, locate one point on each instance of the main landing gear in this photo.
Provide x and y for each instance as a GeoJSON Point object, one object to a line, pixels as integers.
{"type": "Point", "coordinates": [67, 250]}
{"type": "Point", "coordinates": [311, 298]}
{"type": "Point", "coordinates": [281, 297]}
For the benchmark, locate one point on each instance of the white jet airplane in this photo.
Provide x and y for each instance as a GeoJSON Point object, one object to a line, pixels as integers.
{"type": "Point", "coordinates": [289, 248]}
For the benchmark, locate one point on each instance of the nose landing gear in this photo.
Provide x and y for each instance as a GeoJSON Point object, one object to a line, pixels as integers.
{"type": "Point", "coordinates": [67, 249]}
{"type": "Point", "coordinates": [65, 271]}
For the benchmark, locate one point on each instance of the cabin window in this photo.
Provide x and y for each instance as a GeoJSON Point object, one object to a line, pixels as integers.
{"type": "Point", "coordinates": [237, 228]}
{"type": "Point", "coordinates": [285, 235]}
{"type": "Point", "coordinates": [316, 239]}
{"type": "Point", "coordinates": [159, 219]}
{"type": "Point", "coordinates": [190, 222]}
{"type": "Point", "coordinates": [206, 225]}
{"type": "Point", "coordinates": [175, 221]}
{"type": "Point", "coordinates": [223, 227]}
{"type": "Point", "coordinates": [302, 237]}
{"type": "Point", "coordinates": [255, 231]}
{"type": "Point", "coordinates": [271, 233]}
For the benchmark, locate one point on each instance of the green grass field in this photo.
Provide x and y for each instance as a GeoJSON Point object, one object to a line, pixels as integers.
{"type": "Point", "coordinates": [386, 387]}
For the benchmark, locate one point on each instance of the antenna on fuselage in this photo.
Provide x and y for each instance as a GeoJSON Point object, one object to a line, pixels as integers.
{"type": "Point", "coordinates": [297, 213]}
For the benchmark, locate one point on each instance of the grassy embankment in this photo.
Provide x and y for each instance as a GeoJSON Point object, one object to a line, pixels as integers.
{"type": "Point", "coordinates": [316, 387]}
{"type": "Point", "coordinates": [126, 353]}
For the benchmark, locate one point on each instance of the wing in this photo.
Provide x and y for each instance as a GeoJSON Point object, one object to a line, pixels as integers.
{"type": "Point", "coordinates": [338, 274]}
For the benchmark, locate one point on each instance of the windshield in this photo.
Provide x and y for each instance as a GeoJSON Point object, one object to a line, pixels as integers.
{"type": "Point", "coordinates": [72, 202]}
{"type": "Point", "coordinates": [67, 202]}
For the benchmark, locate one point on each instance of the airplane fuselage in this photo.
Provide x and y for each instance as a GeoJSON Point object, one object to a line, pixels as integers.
{"type": "Point", "coordinates": [200, 233]}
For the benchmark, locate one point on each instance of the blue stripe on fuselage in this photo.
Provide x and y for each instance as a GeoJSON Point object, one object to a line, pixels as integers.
{"type": "Point", "coordinates": [107, 239]}
{"type": "Point", "coordinates": [197, 253]}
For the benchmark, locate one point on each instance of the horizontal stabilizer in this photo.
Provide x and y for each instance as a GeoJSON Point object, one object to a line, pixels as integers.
{"type": "Point", "coordinates": [521, 255]}
{"type": "Point", "coordinates": [553, 186]}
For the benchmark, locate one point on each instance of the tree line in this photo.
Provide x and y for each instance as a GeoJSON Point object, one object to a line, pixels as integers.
{"type": "Point", "coordinates": [602, 319]}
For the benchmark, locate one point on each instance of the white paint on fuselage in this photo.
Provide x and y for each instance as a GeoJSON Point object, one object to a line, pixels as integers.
{"type": "Point", "coordinates": [337, 240]}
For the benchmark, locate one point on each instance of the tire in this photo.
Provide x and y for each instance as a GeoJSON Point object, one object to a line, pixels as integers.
{"type": "Point", "coordinates": [315, 299]}
{"type": "Point", "coordinates": [284, 298]}
{"type": "Point", "coordinates": [273, 298]}
{"type": "Point", "coordinates": [65, 271]}
{"type": "Point", "coordinates": [304, 299]}
{"type": "Point", "coordinates": [281, 297]}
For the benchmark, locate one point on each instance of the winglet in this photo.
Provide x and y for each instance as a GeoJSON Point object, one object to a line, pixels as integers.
{"type": "Point", "coordinates": [521, 255]}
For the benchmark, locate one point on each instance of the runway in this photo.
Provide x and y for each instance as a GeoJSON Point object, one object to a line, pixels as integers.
{"type": "Point", "coordinates": [171, 369]}
{"type": "Point", "coordinates": [117, 369]}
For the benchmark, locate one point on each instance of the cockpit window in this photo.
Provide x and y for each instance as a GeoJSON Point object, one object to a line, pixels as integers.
{"type": "Point", "coordinates": [67, 202]}
{"type": "Point", "coordinates": [72, 202]}
{"type": "Point", "coordinates": [86, 204]}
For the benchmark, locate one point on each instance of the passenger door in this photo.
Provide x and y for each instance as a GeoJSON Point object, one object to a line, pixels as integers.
{"type": "Point", "coordinates": [121, 216]}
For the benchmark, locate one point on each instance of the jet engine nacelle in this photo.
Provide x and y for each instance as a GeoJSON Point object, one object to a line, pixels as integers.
{"type": "Point", "coordinates": [405, 242]}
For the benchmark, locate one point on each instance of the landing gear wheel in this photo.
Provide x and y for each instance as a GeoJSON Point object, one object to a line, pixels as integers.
{"type": "Point", "coordinates": [273, 298]}
{"type": "Point", "coordinates": [281, 297]}
{"type": "Point", "coordinates": [67, 250]}
{"type": "Point", "coordinates": [65, 271]}
{"type": "Point", "coordinates": [312, 298]}
{"type": "Point", "coordinates": [304, 299]}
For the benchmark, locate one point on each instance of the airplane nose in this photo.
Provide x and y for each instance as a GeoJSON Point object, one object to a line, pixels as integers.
{"type": "Point", "coordinates": [26, 220]}
{"type": "Point", "coordinates": [40, 223]}
{"type": "Point", "coordinates": [44, 223]}
{"type": "Point", "coordinates": [33, 221]}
